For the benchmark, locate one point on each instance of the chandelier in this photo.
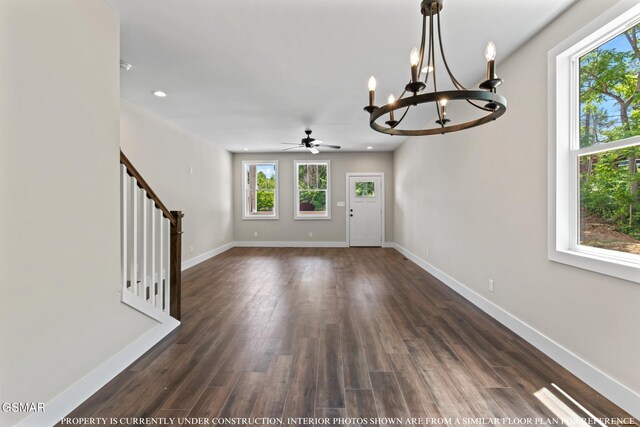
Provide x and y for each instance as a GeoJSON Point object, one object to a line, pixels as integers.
{"type": "Point", "coordinates": [484, 99]}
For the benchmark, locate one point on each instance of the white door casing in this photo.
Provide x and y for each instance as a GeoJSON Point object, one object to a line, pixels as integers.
{"type": "Point", "coordinates": [365, 209]}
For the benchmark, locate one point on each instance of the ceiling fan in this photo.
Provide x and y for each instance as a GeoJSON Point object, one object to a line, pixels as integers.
{"type": "Point", "coordinates": [310, 144]}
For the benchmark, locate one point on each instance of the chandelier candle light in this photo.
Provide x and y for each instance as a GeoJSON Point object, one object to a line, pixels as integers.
{"type": "Point", "coordinates": [484, 99]}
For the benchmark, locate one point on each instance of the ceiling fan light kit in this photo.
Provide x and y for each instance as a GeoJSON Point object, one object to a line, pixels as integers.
{"type": "Point", "coordinates": [311, 144]}
{"type": "Point", "coordinates": [484, 99]}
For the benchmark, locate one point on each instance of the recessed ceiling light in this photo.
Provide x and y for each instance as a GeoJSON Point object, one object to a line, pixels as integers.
{"type": "Point", "coordinates": [245, 149]}
{"type": "Point", "coordinates": [369, 148]}
{"type": "Point", "coordinates": [125, 65]}
{"type": "Point", "coordinates": [159, 93]}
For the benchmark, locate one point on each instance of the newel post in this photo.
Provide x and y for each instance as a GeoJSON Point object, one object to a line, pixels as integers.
{"type": "Point", "coordinates": [175, 291]}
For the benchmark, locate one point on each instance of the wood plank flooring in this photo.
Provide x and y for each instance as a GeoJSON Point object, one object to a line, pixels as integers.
{"type": "Point", "coordinates": [328, 332]}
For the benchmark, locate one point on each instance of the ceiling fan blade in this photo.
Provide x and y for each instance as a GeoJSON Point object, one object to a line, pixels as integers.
{"type": "Point", "coordinates": [317, 141]}
{"type": "Point", "coordinates": [314, 150]}
{"type": "Point", "coordinates": [337, 147]}
{"type": "Point", "coordinates": [290, 143]}
{"type": "Point", "coordinates": [292, 148]}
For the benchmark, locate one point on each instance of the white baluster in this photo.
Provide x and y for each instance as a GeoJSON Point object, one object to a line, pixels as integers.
{"type": "Point", "coordinates": [154, 278]}
{"type": "Point", "coordinates": [167, 263]}
{"type": "Point", "coordinates": [145, 246]}
{"type": "Point", "coordinates": [124, 219]}
{"type": "Point", "coordinates": [133, 253]}
{"type": "Point", "coordinates": [159, 298]}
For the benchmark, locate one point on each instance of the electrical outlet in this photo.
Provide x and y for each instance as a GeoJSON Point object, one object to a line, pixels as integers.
{"type": "Point", "coordinates": [490, 285]}
{"type": "Point", "coordinates": [190, 170]}
{"type": "Point", "coordinates": [222, 237]}
{"type": "Point", "coordinates": [191, 249]}
{"type": "Point", "coordinates": [255, 234]}
{"type": "Point", "coordinates": [427, 252]}
{"type": "Point", "coordinates": [310, 234]}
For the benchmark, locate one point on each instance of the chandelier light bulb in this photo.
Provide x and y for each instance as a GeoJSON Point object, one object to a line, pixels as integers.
{"type": "Point", "coordinates": [414, 58]}
{"type": "Point", "coordinates": [391, 101]}
{"type": "Point", "coordinates": [490, 55]}
{"type": "Point", "coordinates": [372, 93]}
{"type": "Point", "coordinates": [490, 52]}
{"type": "Point", "coordinates": [442, 121]}
{"type": "Point", "coordinates": [372, 83]}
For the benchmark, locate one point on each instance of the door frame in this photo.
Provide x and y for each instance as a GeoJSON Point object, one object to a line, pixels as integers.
{"type": "Point", "coordinates": [348, 202]}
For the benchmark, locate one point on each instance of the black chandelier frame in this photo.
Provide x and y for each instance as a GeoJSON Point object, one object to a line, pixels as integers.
{"type": "Point", "coordinates": [494, 106]}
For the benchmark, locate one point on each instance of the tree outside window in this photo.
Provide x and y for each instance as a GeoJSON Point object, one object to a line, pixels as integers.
{"type": "Point", "coordinates": [610, 113]}
{"type": "Point", "coordinates": [260, 190]}
{"type": "Point", "coordinates": [312, 189]}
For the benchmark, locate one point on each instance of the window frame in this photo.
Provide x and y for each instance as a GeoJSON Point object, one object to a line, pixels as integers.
{"type": "Point", "coordinates": [296, 190]}
{"type": "Point", "coordinates": [564, 147]}
{"type": "Point", "coordinates": [246, 216]}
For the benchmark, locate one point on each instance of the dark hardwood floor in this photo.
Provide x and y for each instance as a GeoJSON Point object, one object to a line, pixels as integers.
{"type": "Point", "coordinates": [291, 332]}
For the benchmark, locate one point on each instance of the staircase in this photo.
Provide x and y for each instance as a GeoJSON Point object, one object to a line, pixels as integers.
{"type": "Point", "coordinates": [151, 240]}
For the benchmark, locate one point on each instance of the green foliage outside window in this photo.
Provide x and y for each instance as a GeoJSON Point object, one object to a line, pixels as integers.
{"type": "Point", "coordinates": [260, 189]}
{"type": "Point", "coordinates": [606, 189]}
{"type": "Point", "coordinates": [610, 111]}
{"type": "Point", "coordinates": [265, 194]}
{"type": "Point", "coordinates": [365, 189]}
{"type": "Point", "coordinates": [312, 187]}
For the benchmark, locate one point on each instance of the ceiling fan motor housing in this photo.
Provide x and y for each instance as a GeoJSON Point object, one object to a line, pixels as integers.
{"type": "Point", "coordinates": [308, 140]}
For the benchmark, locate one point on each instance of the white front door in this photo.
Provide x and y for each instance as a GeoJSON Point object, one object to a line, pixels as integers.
{"type": "Point", "coordinates": [365, 211]}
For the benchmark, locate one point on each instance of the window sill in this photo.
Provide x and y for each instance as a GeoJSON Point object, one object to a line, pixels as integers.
{"type": "Point", "coordinates": [608, 265]}
{"type": "Point", "coordinates": [312, 218]}
{"type": "Point", "coordinates": [260, 218]}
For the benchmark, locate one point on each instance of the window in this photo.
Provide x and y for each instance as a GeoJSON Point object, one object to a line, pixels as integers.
{"type": "Point", "coordinates": [313, 190]}
{"type": "Point", "coordinates": [260, 190]}
{"type": "Point", "coordinates": [594, 215]}
{"type": "Point", "coordinates": [365, 189]}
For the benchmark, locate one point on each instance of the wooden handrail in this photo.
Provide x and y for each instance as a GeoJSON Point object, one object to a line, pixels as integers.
{"type": "Point", "coordinates": [132, 171]}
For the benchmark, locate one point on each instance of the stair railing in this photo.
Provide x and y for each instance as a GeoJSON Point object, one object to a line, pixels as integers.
{"type": "Point", "coordinates": [151, 244]}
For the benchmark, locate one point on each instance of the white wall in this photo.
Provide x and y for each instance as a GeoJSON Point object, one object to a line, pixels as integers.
{"type": "Point", "coordinates": [477, 200]}
{"type": "Point", "coordinates": [60, 310]}
{"type": "Point", "coordinates": [164, 153]}
{"type": "Point", "coordinates": [286, 228]}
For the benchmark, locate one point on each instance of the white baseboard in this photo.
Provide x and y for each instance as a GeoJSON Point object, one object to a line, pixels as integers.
{"type": "Point", "coordinates": [205, 256]}
{"type": "Point", "coordinates": [298, 244]}
{"type": "Point", "coordinates": [283, 244]}
{"type": "Point", "coordinates": [609, 387]}
{"type": "Point", "coordinates": [72, 397]}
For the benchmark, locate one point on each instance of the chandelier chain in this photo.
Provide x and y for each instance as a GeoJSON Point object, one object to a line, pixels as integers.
{"type": "Point", "coordinates": [424, 23]}
{"type": "Point", "coordinates": [455, 81]}
{"type": "Point", "coordinates": [435, 78]}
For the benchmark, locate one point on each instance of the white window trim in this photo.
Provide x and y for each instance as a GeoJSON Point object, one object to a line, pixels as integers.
{"type": "Point", "coordinates": [296, 195]}
{"type": "Point", "coordinates": [276, 205]}
{"type": "Point", "coordinates": [563, 142]}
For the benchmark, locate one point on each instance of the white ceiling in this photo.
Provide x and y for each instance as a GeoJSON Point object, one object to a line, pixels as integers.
{"type": "Point", "coordinates": [255, 73]}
